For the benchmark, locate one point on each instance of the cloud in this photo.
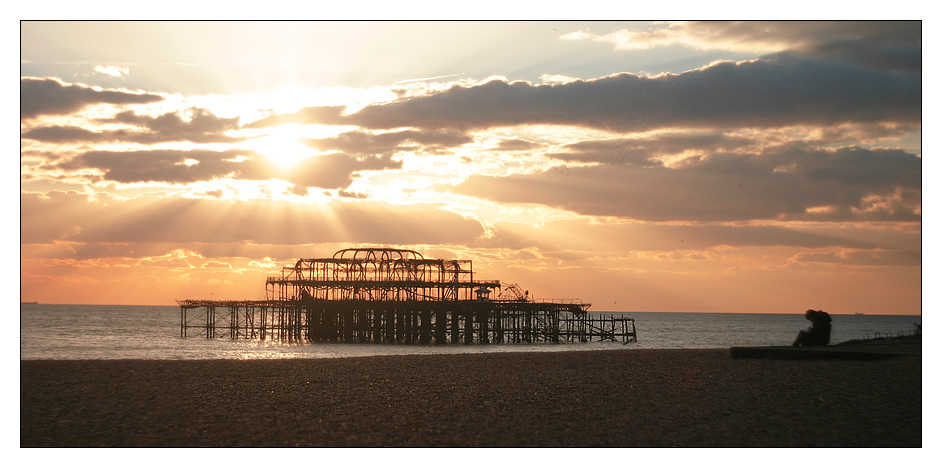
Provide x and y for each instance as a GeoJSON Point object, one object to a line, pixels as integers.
{"type": "Point", "coordinates": [888, 45]}
{"type": "Point", "coordinates": [200, 126]}
{"type": "Point", "coordinates": [40, 96]}
{"type": "Point", "coordinates": [360, 142]}
{"type": "Point", "coordinates": [61, 134]}
{"type": "Point", "coordinates": [517, 144]}
{"type": "Point", "coordinates": [326, 115]}
{"type": "Point", "coordinates": [862, 257]}
{"type": "Point", "coordinates": [894, 45]}
{"type": "Point", "coordinates": [645, 151]}
{"type": "Point", "coordinates": [782, 91]}
{"type": "Point", "coordinates": [337, 170]}
{"type": "Point", "coordinates": [793, 181]}
{"type": "Point", "coordinates": [607, 238]}
{"type": "Point", "coordinates": [170, 166]}
{"type": "Point", "coordinates": [346, 194]}
{"type": "Point", "coordinates": [330, 171]}
{"type": "Point", "coordinates": [58, 217]}
{"type": "Point", "coordinates": [634, 245]}
{"type": "Point", "coordinates": [115, 71]}
{"type": "Point", "coordinates": [658, 148]}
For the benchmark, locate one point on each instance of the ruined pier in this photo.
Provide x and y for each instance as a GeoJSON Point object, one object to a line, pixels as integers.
{"type": "Point", "coordinates": [396, 296]}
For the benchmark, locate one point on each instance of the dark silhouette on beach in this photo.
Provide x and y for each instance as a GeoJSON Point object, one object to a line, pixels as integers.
{"type": "Point", "coordinates": [819, 334]}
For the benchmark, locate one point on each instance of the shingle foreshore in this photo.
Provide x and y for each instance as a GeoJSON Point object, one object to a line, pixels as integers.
{"type": "Point", "coordinates": [620, 398]}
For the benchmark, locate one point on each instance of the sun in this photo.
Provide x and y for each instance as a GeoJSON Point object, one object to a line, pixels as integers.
{"type": "Point", "coordinates": [283, 149]}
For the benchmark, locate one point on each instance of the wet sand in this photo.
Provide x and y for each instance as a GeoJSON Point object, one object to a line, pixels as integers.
{"type": "Point", "coordinates": [629, 398]}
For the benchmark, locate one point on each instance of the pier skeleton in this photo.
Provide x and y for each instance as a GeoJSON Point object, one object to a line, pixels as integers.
{"type": "Point", "coordinates": [383, 295]}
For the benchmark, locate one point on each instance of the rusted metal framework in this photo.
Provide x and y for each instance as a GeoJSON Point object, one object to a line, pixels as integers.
{"type": "Point", "coordinates": [396, 296]}
{"type": "Point", "coordinates": [378, 275]}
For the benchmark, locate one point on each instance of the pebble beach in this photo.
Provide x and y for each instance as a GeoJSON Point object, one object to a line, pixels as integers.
{"type": "Point", "coordinates": [629, 398]}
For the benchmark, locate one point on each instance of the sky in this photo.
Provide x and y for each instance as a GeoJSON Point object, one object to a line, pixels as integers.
{"type": "Point", "coordinates": [763, 167]}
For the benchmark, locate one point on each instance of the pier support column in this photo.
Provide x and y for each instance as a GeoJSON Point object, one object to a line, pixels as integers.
{"type": "Point", "coordinates": [455, 325]}
{"type": "Point", "coordinates": [468, 326]}
{"type": "Point", "coordinates": [484, 331]}
{"type": "Point", "coordinates": [441, 327]}
{"type": "Point", "coordinates": [425, 327]}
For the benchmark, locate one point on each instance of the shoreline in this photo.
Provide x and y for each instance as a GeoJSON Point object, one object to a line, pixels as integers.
{"type": "Point", "coordinates": [618, 398]}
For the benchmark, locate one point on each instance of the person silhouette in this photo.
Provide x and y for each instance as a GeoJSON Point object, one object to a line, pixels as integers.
{"type": "Point", "coordinates": [819, 334]}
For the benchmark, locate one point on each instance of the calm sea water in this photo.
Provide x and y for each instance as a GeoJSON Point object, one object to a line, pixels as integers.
{"type": "Point", "coordinates": [153, 332]}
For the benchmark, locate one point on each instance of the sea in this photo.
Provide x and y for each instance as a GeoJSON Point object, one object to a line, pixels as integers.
{"type": "Point", "coordinates": [55, 331]}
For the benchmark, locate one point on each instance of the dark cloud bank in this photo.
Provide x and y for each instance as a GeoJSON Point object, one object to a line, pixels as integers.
{"type": "Point", "coordinates": [885, 45]}
{"type": "Point", "coordinates": [51, 97]}
{"type": "Point", "coordinates": [782, 183]}
{"type": "Point", "coordinates": [329, 171]}
{"type": "Point", "coordinates": [200, 126]}
{"type": "Point", "coordinates": [782, 91]}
